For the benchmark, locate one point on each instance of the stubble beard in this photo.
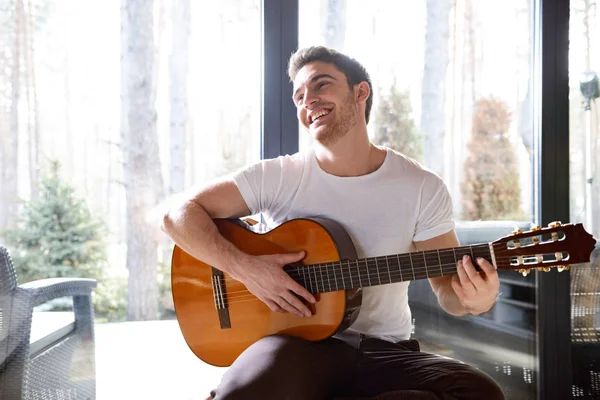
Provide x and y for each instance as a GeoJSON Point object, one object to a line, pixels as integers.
{"type": "Point", "coordinates": [346, 118]}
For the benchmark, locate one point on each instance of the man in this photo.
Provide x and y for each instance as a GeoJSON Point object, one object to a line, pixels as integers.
{"type": "Point", "coordinates": [388, 204]}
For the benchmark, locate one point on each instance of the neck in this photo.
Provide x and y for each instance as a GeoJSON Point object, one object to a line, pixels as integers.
{"type": "Point", "coordinates": [352, 155]}
{"type": "Point", "coordinates": [374, 271]}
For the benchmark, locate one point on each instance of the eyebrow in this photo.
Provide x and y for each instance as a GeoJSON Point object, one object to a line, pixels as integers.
{"type": "Point", "coordinates": [314, 79]}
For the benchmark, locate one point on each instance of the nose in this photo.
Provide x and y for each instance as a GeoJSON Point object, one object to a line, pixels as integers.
{"type": "Point", "coordinates": [310, 98]}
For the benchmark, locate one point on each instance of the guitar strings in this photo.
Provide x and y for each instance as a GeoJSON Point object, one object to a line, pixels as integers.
{"type": "Point", "coordinates": [447, 268]}
{"type": "Point", "coordinates": [417, 268]}
{"type": "Point", "coordinates": [247, 296]}
{"type": "Point", "coordinates": [369, 261]}
{"type": "Point", "coordinates": [371, 265]}
{"type": "Point", "coordinates": [365, 271]}
{"type": "Point", "coordinates": [389, 257]}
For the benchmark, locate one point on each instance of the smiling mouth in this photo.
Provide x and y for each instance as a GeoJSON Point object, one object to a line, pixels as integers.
{"type": "Point", "coordinates": [318, 115]}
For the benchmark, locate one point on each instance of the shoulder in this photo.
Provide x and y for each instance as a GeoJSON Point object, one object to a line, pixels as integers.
{"type": "Point", "coordinates": [282, 164]}
{"type": "Point", "coordinates": [288, 161]}
{"type": "Point", "coordinates": [411, 169]}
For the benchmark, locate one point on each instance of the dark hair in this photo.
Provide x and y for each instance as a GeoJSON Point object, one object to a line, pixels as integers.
{"type": "Point", "coordinates": [354, 71]}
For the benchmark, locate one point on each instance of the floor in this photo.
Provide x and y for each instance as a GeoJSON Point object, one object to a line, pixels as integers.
{"type": "Point", "coordinates": [149, 360]}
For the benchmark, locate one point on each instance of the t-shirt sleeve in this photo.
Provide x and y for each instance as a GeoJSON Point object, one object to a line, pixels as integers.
{"type": "Point", "coordinates": [266, 186]}
{"type": "Point", "coordinates": [435, 213]}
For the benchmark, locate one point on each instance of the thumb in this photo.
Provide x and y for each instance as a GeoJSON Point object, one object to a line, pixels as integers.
{"type": "Point", "coordinates": [292, 257]}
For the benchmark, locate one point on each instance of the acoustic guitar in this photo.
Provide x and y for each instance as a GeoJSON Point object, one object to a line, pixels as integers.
{"type": "Point", "coordinates": [220, 318]}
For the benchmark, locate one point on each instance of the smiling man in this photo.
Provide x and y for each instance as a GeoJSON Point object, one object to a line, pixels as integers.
{"type": "Point", "coordinates": [388, 204]}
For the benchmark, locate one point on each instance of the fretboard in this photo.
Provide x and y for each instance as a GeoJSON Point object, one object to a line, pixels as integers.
{"type": "Point", "coordinates": [373, 271]}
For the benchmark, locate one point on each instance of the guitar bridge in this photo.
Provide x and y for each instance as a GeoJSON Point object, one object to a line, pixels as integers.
{"type": "Point", "coordinates": [220, 297]}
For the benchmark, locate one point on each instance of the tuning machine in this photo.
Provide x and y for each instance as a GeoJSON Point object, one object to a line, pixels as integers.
{"type": "Point", "coordinates": [554, 224]}
{"type": "Point", "coordinates": [562, 268]}
{"type": "Point", "coordinates": [525, 272]}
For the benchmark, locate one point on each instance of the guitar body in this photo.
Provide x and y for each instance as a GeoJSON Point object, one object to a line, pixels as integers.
{"type": "Point", "coordinates": [219, 323]}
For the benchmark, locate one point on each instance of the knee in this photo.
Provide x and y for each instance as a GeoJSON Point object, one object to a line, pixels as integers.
{"type": "Point", "coordinates": [258, 373]}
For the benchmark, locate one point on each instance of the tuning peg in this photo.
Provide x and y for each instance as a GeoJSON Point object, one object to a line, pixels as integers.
{"type": "Point", "coordinates": [545, 269]}
{"type": "Point", "coordinates": [554, 224]}
{"type": "Point", "coordinates": [525, 272]}
{"type": "Point", "coordinates": [562, 268]}
{"type": "Point", "coordinates": [535, 228]}
{"type": "Point", "coordinates": [517, 231]}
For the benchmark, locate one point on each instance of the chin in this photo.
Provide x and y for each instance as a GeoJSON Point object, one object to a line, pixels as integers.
{"type": "Point", "coordinates": [328, 137]}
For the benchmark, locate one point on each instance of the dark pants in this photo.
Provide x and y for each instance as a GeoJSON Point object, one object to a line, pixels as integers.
{"type": "Point", "coordinates": [288, 368]}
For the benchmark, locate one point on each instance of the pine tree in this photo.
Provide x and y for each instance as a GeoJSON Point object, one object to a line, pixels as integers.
{"type": "Point", "coordinates": [56, 235]}
{"type": "Point", "coordinates": [491, 189]}
{"type": "Point", "coordinates": [395, 126]}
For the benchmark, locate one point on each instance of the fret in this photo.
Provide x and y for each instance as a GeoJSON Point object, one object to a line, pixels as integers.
{"type": "Point", "coordinates": [334, 277]}
{"type": "Point", "coordinates": [388, 268]}
{"type": "Point", "coordinates": [377, 266]}
{"type": "Point", "coordinates": [400, 268]}
{"type": "Point", "coordinates": [342, 275]}
{"type": "Point", "coordinates": [412, 266]}
{"type": "Point", "coordinates": [455, 259]}
{"type": "Point", "coordinates": [440, 259]}
{"type": "Point", "coordinates": [425, 261]}
{"type": "Point", "coordinates": [432, 261]}
{"type": "Point", "coordinates": [327, 275]}
{"type": "Point", "coordinates": [358, 272]}
{"type": "Point", "coordinates": [369, 274]}
{"type": "Point", "coordinates": [322, 280]}
{"type": "Point", "coordinates": [350, 271]}
{"type": "Point", "coordinates": [472, 256]}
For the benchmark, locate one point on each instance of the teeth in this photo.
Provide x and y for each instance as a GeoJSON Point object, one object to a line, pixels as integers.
{"type": "Point", "coordinates": [318, 115]}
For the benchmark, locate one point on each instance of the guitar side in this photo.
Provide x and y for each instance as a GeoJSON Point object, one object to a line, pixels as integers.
{"type": "Point", "coordinates": [247, 319]}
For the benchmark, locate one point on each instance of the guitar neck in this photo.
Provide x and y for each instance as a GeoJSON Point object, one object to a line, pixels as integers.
{"type": "Point", "coordinates": [374, 271]}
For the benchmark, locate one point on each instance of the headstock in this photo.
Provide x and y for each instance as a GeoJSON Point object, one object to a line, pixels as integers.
{"type": "Point", "coordinates": [557, 245]}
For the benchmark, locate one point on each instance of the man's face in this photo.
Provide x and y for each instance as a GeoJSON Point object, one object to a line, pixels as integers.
{"type": "Point", "coordinates": [325, 104]}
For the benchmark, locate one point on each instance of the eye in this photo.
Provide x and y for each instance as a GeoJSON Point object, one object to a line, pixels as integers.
{"type": "Point", "coordinates": [299, 99]}
{"type": "Point", "coordinates": [321, 84]}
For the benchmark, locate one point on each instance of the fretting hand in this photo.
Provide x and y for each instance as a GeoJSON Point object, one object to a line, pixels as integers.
{"type": "Point", "coordinates": [476, 291]}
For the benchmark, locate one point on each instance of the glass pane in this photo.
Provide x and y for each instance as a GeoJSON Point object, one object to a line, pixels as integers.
{"type": "Point", "coordinates": [584, 168]}
{"type": "Point", "coordinates": [109, 111]}
{"type": "Point", "coordinates": [455, 95]}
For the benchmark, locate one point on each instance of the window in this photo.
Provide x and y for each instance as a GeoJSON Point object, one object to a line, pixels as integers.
{"type": "Point", "coordinates": [136, 105]}
{"type": "Point", "coordinates": [455, 95]}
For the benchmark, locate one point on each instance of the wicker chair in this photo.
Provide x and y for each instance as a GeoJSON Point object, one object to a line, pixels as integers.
{"type": "Point", "coordinates": [58, 365]}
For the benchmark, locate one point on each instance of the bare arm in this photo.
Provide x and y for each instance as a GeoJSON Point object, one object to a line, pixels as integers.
{"type": "Point", "coordinates": [191, 226]}
{"type": "Point", "coordinates": [468, 292]}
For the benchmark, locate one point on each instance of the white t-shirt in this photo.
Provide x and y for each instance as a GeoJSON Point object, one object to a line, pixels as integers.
{"type": "Point", "coordinates": [383, 212]}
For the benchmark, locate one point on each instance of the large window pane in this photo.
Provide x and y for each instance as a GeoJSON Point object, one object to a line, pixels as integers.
{"type": "Point", "coordinates": [138, 102]}
{"type": "Point", "coordinates": [456, 95]}
{"type": "Point", "coordinates": [584, 67]}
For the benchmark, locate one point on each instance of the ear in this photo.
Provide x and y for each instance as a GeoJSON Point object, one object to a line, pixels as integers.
{"type": "Point", "coordinates": [362, 92]}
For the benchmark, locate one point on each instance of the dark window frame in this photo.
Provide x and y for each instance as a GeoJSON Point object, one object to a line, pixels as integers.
{"type": "Point", "coordinates": [279, 127]}
{"type": "Point", "coordinates": [551, 69]}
